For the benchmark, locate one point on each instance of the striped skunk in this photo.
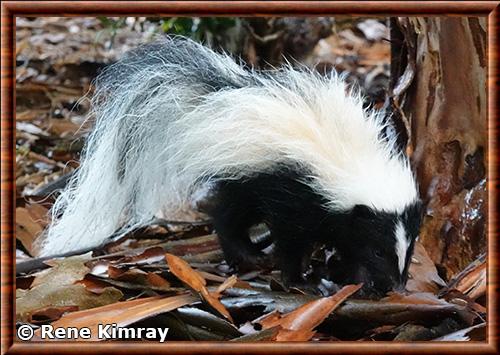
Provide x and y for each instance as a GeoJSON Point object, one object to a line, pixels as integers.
{"type": "Point", "coordinates": [289, 148]}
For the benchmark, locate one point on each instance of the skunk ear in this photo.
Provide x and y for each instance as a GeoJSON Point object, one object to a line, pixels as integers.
{"type": "Point", "coordinates": [362, 211]}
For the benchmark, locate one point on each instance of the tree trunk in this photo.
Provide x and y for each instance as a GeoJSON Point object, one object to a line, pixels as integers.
{"type": "Point", "coordinates": [439, 92]}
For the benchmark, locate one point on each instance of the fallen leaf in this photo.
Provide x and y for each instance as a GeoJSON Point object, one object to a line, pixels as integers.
{"type": "Point", "coordinates": [28, 226]}
{"type": "Point", "coordinates": [457, 297]}
{"type": "Point", "coordinates": [263, 335]}
{"type": "Point", "coordinates": [157, 280]}
{"type": "Point", "coordinates": [193, 279]}
{"type": "Point", "coordinates": [50, 314]}
{"type": "Point", "coordinates": [57, 287]}
{"type": "Point", "coordinates": [472, 280]}
{"type": "Point", "coordinates": [214, 302]}
{"type": "Point", "coordinates": [423, 275]}
{"type": "Point", "coordinates": [93, 284]}
{"type": "Point", "coordinates": [207, 320]}
{"type": "Point", "coordinates": [211, 277]}
{"type": "Point", "coordinates": [268, 320]}
{"type": "Point", "coordinates": [311, 314]}
{"type": "Point", "coordinates": [121, 313]}
{"type": "Point", "coordinates": [185, 273]}
{"type": "Point", "coordinates": [148, 256]}
{"type": "Point", "coordinates": [413, 298]}
{"type": "Point", "coordinates": [399, 308]}
{"type": "Point", "coordinates": [60, 127]}
{"type": "Point", "coordinates": [229, 282]}
{"type": "Point", "coordinates": [393, 311]}
{"type": "Point", "coordinates": [294, 335]}
{"type": "Point", "coordinates": [63, 271]}
{"type": "Point", "coordinates": [474, 333]}
{"type": "Point", "coordinates": [31, 301]}
{"type": "Point", "coordinates": [138, 277]}
{"type": "Point", "coordinates": [194, 246]}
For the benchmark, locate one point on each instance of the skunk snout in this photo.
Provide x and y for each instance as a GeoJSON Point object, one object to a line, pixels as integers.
{"type": "Point", "coordinates": [399, 285]}
{"type": "Point", "coordinates": [378, 285]}
{"type": "Point", "coordinates": [373, 287]}
{"type": "Point", "coordinates": [399, 288]}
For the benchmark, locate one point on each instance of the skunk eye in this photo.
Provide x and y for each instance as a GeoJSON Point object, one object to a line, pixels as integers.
{"type": "Point", "coordinates": [378, 254]}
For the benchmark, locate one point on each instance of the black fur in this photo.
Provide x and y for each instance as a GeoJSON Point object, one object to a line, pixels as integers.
{"type": "Point", "coordinates": [291, 210]}
{"type": "Point", "coordinates": [295, 214]}
{"type": "Point", "coordinates": [368, 255]}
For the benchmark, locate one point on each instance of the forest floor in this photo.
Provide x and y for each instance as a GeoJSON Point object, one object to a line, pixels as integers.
{"type": "Point", "coordinates": [174, 274]}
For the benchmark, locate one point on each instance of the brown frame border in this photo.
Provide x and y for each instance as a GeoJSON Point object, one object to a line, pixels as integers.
{"type": "Point", "coordinates": [11, 9]}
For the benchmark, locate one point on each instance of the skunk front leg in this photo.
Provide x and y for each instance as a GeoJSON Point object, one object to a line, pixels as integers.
{"type": "Point", "coordinates": [293, 253]}
{"type": "Point", "coordinates": [233, 213]}
{"type": "Point", "coordinates": [239, 251]}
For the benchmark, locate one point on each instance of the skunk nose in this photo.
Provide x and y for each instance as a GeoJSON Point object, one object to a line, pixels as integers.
{"type": "Point", "coordinates": [399, 284]}
{"type": "Point", "coordinates": [400, 287]}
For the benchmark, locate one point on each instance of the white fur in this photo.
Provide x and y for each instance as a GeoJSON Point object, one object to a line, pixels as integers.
{"type": "Point", "coordinates": [402, 245]}
{"type": "Point", "coordinates": [180, 138]}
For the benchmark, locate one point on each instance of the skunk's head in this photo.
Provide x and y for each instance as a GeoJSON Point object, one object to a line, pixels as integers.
{"type": "Point", "coordinates": [376, 248]}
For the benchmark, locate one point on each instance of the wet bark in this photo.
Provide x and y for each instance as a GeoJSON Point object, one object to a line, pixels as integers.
{"type": "Point", "coordinates": [439, 94]}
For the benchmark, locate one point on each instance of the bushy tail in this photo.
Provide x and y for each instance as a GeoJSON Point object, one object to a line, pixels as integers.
{"type": "Point", "coordinates": [174, 115]}
{"type": "Point", "coordinates": [122, 181]}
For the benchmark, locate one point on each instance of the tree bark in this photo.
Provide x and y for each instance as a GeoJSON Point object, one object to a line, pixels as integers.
{"type": "Point", "coordinates": [439, 92]}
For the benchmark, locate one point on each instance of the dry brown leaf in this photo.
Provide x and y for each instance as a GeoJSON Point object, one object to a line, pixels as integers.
{"type": "Point", "coordinates": [136, 277]}
{"type": "Point", "coordinates": [156, 280]}
{"type": "Point", "coordinates": [423, 275]}
{"type": "Point", "coordinates": [61, 127]}
{"type": "Point", "coordinates": [121, 313]}
{"type": "Point", "coordinates": [192, 248]}
{"type": "Point", "coordinates": [479, 289]}
{"type": "Point", "coordinates": [196, 249]}
{"type": "Point", "coordinates": [473, 283]}
{"type": "Point", "coordinates": [132, 275]}
{"type": "Point", "coordinates": [63, 271]}
{"type": "Point", "coordinates": [58, 286]}
{"type": "Point", "coordinates": [93, 285]}
{"type": "Point", "coordinates": [294, 335]}
{"type": "Point", "coordinates": [193, 279]}
{"type": "Point", "coordinates": [228, 283]}
{"type": "Point", "coordinates": [115, 272]}
{"type": "Point", "coordinates": [268, 320]}
{"type": "Point", "coordinates": [399, 308]}
{"type": "Point", "coordinates": [39, 213]}
{"type": "Point", "coordinates": [148, 256]}
{"type": "Point", "coordinates": [50, 314]}
{"type": "Point", "coordinates": [214, 302]}
{"type": "Point", "coordinates": [183, 271]}
{"type": "Point", "coordinates": [373, 333]}
{"type": "Point", "coordinates": [31, 301]}
{"type": "Point", "coordinates": [457, 297]}
{"type": "Point", "coordinates": [28, 227]}
{"type": "Point", "coordinates": [414, 299]}
{"type": "Point", "coordinates": [311, 314]}
{"type": "Point", "coordinates": [211, 277]}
